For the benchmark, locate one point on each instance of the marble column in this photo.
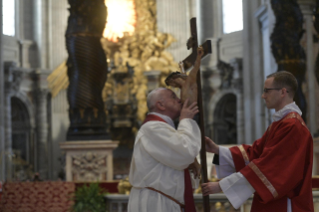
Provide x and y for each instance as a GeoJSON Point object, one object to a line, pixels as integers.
{"type": "Point", "coordinates": [2, 107]}
{"type": "Point", "coordinates": [266, 18]}
{"type": "Point", "coordinates": [41, 147]}
{"type": "Point", "coordinates": [40, 32]}
{"type": "Point", "coordinates": [252, 70]}
{"type": "Point", "coordinates": [205, 18]}
{"type": "Point", "coordinates": [307, 7]}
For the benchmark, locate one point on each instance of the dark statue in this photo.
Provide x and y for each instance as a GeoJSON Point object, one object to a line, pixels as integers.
{"type": "Point", "coordinates": [286, 48]}
{"type": "Point", "coordinates": [87, 70]}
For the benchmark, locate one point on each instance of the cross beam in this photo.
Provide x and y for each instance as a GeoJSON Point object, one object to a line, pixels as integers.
{"type": "Point", "coordinates": [188, 62]}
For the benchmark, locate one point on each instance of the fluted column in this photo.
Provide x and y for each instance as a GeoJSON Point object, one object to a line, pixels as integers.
{"type": "Point", "coordinates": [173, 17]}
{"type": "Point", "coordinates": [307, 7]}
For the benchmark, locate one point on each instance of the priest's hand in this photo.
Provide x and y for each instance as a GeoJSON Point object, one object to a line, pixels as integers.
{"type": "Point", "coordinates": [211, 188]}
{"type": "Point", "coordinates": [195, 168]}
{"type": "Point", "coordinates": [188, 111]}
{"type": "Point", "coordinates": [211, 146]}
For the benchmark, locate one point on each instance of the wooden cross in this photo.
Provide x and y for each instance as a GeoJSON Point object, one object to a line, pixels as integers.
{"type": "Point", "coordinates": [188, 62]}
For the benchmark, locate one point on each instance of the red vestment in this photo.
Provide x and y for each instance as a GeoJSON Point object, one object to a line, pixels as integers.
{"type": "Point", "coordinates": [279, 166]}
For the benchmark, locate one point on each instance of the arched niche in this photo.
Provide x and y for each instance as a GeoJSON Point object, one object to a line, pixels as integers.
{"type": "Point", "coordinates": [225, 120]}
{"type": "Point", "coordinates": [21, 130]}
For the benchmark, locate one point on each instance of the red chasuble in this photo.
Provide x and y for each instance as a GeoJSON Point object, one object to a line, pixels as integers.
{"type": "Point", "coordinates": [279, 166]}
{"type": "Point", "coordinates": [188, 193]}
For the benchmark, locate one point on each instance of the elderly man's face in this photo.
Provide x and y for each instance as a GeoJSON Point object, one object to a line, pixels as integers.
{"type": "Point", "coordinates": [172, 103]}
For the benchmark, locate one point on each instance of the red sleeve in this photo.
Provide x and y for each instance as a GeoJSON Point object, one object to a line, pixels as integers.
{"type": "Point", "coordinates": [243, 154]}
{"type": "Point", "coordinates": [285, 161]}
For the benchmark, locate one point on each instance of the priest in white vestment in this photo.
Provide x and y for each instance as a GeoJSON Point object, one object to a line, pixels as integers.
{"type": "Point", "coordinates": [161, 153]}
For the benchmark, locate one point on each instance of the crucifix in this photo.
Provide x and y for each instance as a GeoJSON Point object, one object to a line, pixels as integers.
{"type": "Point", "coordinates": [189, 85]}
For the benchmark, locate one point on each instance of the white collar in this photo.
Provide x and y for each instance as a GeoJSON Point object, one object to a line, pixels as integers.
{"type": "Point", "coordinates": [292, 107]}
{"type": "Point", "coordinates": [166, 118]}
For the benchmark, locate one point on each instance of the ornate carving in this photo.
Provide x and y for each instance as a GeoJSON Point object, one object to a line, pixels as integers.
{"type": "Point", "coordinates": [89, 167]}
{"type": "Point", "coordinates": [120, 102]}
{"type": "Point", "coordinates": [286, 48]}
{"type": "Point", "coordinates": [13, 76]}
{"type": "Point", "coordinates": [87, 69]}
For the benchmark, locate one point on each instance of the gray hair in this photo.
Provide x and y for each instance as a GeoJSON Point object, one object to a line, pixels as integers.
{"type": "Point", "coordinates": [153, 97]}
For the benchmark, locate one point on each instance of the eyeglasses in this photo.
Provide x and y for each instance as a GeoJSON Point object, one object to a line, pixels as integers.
{"type": "Point", "coordinates": [269, 89]}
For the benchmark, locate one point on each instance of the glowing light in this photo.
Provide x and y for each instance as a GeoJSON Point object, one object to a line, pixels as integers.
{"type": "Point", "coordinates": [121, 18]}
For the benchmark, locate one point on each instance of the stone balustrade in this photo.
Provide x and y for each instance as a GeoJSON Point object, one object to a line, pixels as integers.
{"type": "Point", "coordinates": [218, 203]}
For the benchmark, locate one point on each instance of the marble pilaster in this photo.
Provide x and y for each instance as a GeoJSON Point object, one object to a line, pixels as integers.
{"type": "Point", "coordinates": [266, 18]}
{"type": "Point", "coordinates": [252, 70]}
{"type": "Point", "coordinates": [307, 7]}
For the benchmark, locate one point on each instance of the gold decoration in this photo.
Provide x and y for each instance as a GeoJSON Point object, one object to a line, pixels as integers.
{"type": "Point", "coordinates": [58, 80]}
{"type": "Point", "coordinates": [143, 51]}
{"type": "Point", "coordinates": [124, 186]}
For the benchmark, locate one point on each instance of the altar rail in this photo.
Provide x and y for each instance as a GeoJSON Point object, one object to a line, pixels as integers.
{"type": "Point", "coordinates": [218, 203]}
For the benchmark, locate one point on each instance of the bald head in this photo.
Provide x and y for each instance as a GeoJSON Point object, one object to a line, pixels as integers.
{"type": "Point", "coordinates": [153, 97]}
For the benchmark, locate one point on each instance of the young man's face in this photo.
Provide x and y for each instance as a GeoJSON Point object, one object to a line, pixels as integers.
{"type": "Point", "coordinates": [272, 94]}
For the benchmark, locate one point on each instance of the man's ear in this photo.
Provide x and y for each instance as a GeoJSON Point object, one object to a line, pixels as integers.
{"type": "Point", "coordinates": [160, 105]}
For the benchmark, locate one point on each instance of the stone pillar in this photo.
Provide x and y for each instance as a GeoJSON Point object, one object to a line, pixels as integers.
{"type": "Point", "coordinates": [40, 32]}
{"type": "Point", "coordinates": [41, 147]}
{"type": "Point", "coordinates": [205, 20]}
{"type": "Point", "coordinates": [266, 18]}
{"type": "Point", "coordinates": [2, 107]}
{"type": "Point", "coordinates": [237, 84]}
{"type": "Point", "coordinates": [307, 7]}
{"type": "Point", "coordinates": [252, 69]}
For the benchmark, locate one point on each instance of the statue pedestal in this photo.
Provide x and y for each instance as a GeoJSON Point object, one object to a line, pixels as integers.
{"type": "Point", "coordinates": [88, 161]}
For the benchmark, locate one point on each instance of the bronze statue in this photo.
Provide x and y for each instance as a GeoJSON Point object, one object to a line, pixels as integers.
{"type": "Point", "coordinates": [87, 70]}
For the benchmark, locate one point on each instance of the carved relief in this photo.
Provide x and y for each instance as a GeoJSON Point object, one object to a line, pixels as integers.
{"type": "Point", "coordinates": [89, 167]}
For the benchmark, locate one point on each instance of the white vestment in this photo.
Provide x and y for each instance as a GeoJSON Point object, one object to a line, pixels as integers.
{"type": "Point", "coordinates": [161, 153]}
{"type": "Point", "coordinates": [234, 185]}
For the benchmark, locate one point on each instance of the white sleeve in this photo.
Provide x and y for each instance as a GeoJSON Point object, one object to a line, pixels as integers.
{"type": "Point", "coordinates": [226, 164]}
{"type": "Point", "coordinates": [236, 188]}
{"type": "Point", "coordinates": [173, 148]}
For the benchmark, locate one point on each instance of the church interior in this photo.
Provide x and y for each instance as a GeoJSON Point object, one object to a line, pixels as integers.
{"type": "Point", "coordinates": [75, 75]}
